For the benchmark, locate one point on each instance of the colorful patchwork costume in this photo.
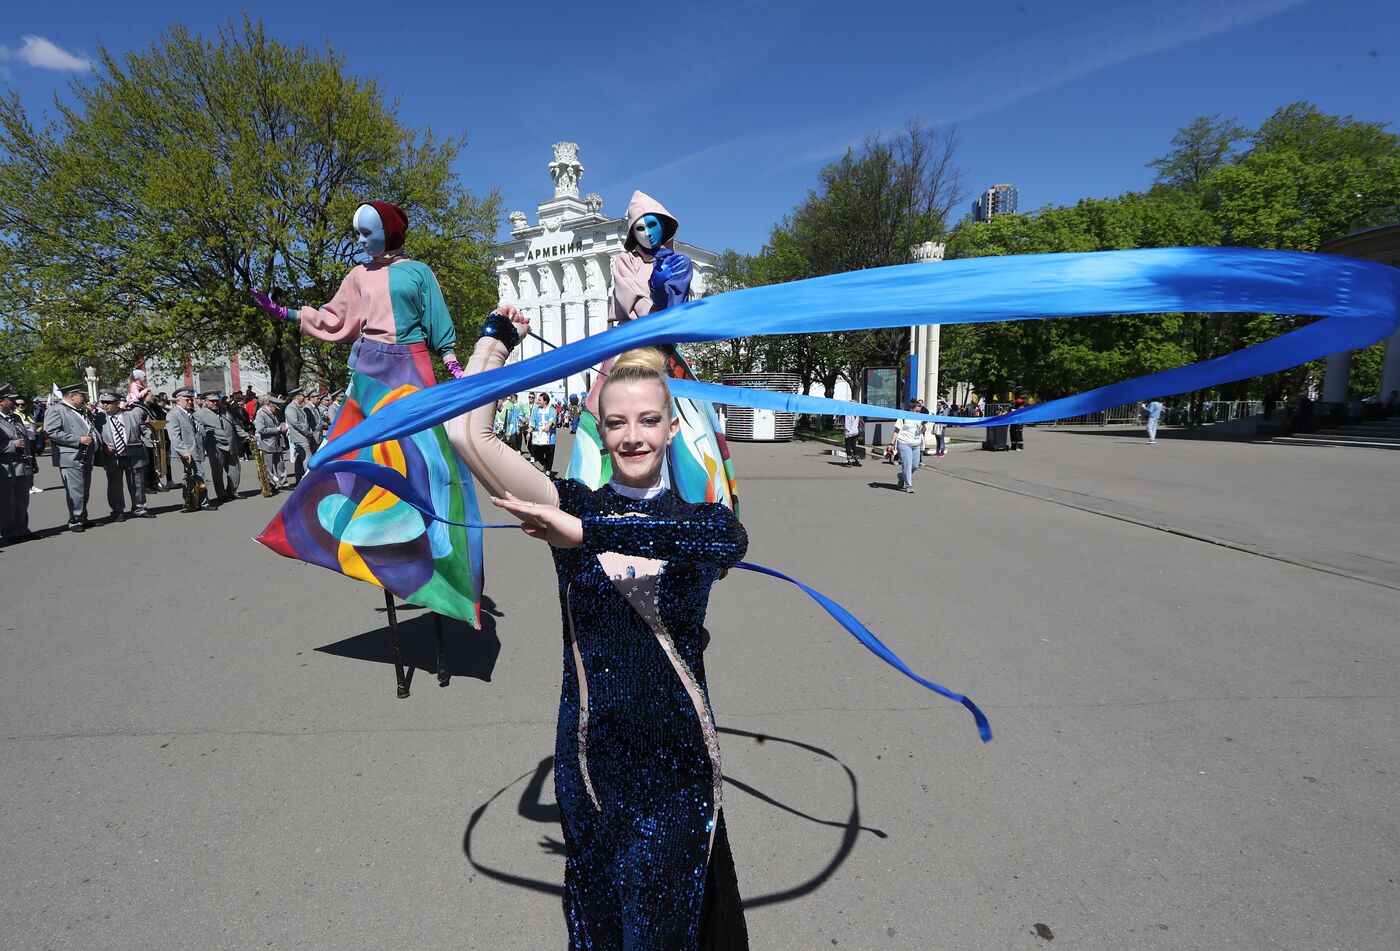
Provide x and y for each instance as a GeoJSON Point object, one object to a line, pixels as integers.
{"type": "Point", "coordinates": [393, 309]}
{"type": "Point", "coordinates": [647, 279]}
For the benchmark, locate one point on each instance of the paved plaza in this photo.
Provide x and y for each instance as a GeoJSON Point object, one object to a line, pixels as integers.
{"type": "Point", "coordinates": [1189, 653]}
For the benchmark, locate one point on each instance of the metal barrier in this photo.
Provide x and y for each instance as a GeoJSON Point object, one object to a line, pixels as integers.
{"type": "Point", "coordinates": [1131, 414]}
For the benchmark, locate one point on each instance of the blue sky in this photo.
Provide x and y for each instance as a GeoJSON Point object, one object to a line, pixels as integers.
{"type": "Point", "coordinates": [726, 111]}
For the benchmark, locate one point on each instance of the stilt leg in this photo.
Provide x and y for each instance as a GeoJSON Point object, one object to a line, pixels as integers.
{"type": "Point", "coordinates": [394, 646]}
{"type": "Point", "coordinates": [443, 675]}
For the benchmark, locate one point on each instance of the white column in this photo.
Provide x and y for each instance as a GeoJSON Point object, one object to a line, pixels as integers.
{"type": "Point", "coordinates": [529, 302]}
{"type": "Point", "coordinates": [1390, 367]}
{"type": "Point", "coordinates": [551, 321]}
{"type": "Point", "coordinates": [928, 365]}
{"type": "Point", "coordinates": [1336, 383]}
{"type": "Point", "coordinates": [597, 271]}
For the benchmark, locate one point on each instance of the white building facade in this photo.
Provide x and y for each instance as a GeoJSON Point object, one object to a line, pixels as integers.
{"type": "Point", "coordinates": [559, 269]}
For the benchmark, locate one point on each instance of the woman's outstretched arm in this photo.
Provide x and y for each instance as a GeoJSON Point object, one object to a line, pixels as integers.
{"type": "Point", "coordinates": [495, 465]}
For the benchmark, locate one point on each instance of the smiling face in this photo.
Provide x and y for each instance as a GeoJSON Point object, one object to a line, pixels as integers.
{"type": "Point", "coordinates": [637, 427]}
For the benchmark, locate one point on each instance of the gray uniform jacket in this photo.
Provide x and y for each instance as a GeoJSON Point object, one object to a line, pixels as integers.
{"type": "Point", "coordinates": [133, 421]}
{"type": "Point", "coordinates": [65, 427]}
{"type": "Point", "coordinates": [266, 423]}
{"type": "Point", "coordinates": [300, 426]}
{"type": "Point", "coordinates": [14, 461]}
{"type": "Point", "coordinates": [185, 436]}
{"type": "Point", "coordinates": [318, 424]}
{"type": "Point", "coordinates": [220, 433]}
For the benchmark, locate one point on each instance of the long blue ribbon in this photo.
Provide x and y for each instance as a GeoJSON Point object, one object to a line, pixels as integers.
{"type": "Point", "coordinates": [393, 481]}
{"type": "Point", "coordinates": [848, 620]}
{"type": "Point", "coordinates": [799, 403]}
{"type": "Point", "coordinates": [1359, 302]}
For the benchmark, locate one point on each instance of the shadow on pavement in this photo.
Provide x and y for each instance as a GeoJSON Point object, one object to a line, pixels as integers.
{"type": "Point", "coordinates": [534, 808]}
{"type": "Point", "coordinates": [470, 653]}
{"type": "Point", "coordinates": [892, 486]}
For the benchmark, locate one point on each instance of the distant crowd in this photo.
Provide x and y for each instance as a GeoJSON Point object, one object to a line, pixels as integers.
{"type": "Point", "coordinates": [148, 442]}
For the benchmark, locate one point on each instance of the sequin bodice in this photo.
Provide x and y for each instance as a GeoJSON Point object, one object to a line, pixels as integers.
{"type": "Point", "coordinates": [636, 759]}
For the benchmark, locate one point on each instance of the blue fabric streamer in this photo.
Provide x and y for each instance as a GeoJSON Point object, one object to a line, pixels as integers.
{"type": "Point", "coordinates": [847, 620]}
{"type": "Point", "coordinates": [797, 403]}
{"type": "Point", "coordinates": [396, 483]}
{"type": "Point", "coordinates": [1359, 301]}
{"type": "Point", "coordinates": [390, 479]}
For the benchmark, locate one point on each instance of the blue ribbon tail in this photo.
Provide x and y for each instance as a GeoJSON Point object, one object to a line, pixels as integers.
{"type": "Point", "coordinates": [847, 620]}
{"type": "Point", "coordinates": [394, 482]}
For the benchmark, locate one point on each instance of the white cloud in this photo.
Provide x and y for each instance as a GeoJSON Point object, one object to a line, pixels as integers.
{"type": "Point", "coordinates": [44, 54]}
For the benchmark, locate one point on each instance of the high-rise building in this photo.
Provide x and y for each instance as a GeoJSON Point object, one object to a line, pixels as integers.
{"type": "Point", "coordinates": [997, 200]}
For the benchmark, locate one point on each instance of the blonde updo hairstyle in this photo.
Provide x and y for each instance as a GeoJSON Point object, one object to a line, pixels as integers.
{"type": "Point", "coordinates": [635, 366]}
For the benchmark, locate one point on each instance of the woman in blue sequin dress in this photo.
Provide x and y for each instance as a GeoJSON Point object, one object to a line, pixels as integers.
{"type": "Point", "coordinates": [636, 772]}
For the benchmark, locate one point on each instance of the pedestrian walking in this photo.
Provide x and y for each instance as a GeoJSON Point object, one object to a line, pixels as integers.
{"type": "Point", "coordinates": [1153, 411]}
{"type": "Point", "coordinates": [908, 442]}
{"type": "Point", "coordinates": [851, 431]}
{"type": "Point", "coordinates": [544, 420]}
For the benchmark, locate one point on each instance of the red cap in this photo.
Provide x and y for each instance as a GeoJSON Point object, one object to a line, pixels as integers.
{"type": "Point", "coordinates": [395, 221]}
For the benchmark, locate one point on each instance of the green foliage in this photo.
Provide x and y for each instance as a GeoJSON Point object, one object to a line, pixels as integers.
{"type": "Point", "coordinates": [871, 208]}
{"type": "Point", "coordinates": [1306, 179]}
{"type": "Point", "coordinates": [1051, 358]}
{"type": "Point", "coordinates": [185, 174]}
{"type": "Point", "coordinates": [1197, 150]}
{"type": "Point", "coordinates": [1303, 179]}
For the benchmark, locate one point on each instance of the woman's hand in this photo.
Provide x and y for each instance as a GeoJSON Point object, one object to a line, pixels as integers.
{"type": "Point", "coordinates": [549, 522]}
{"type": "Point", "coordinates": [511, 313]}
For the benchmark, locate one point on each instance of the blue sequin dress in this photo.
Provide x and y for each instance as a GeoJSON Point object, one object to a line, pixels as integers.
{"type": "Point", "coordinates": [637, 774]}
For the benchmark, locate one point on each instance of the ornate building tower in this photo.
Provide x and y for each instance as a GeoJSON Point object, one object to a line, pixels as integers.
{"type": "Point", "coordinates": [559, 271]}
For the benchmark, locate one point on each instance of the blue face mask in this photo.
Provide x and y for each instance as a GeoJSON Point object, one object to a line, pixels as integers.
{"type": "Point", "coordinates": [369, 235]}
{"type": "Point", "coordinates": [648, 232]}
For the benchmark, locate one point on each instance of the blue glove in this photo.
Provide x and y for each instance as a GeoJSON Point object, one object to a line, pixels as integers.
{"type": "Point", "coordinates": [669, 265]}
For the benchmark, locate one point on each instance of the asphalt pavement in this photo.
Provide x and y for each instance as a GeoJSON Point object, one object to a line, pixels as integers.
{"type": "Point", "coordinates": [1188, 653]}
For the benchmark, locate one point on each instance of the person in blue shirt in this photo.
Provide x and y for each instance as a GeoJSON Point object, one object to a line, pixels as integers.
{"type": "Point", "coordinates": [544, 419]}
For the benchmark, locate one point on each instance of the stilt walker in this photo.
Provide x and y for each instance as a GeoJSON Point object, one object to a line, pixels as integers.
{"type": "Point", "coordinates": [649, 276]}
{"type": "Point", "coordinates": [393, 310]}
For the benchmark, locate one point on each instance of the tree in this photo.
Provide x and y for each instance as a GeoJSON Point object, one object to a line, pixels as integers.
{"type": "Point", "coordinates": [133, 226]}
{"type": "Point", "coordinates": [1306, 179]}
{"type": "Point", "coordinates": [871, 208]}
{"type": "Point", "coordinates": [1056, 357]}
{"type": "Point", "coordinates": [732, 271]}
{"type": "Point", "coordinates": [1197, 150]}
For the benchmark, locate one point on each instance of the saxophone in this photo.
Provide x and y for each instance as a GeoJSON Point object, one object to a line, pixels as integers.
{"type": "Point", "coordinates": [193, 490]}
{"type": "Point", "coordinates": [264, 480]}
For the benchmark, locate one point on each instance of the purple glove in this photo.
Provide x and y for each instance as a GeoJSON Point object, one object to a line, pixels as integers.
{"type": "Point", "coordinates": [454, 367]}
{"type": "Point", "coordinates": [269, 305]}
